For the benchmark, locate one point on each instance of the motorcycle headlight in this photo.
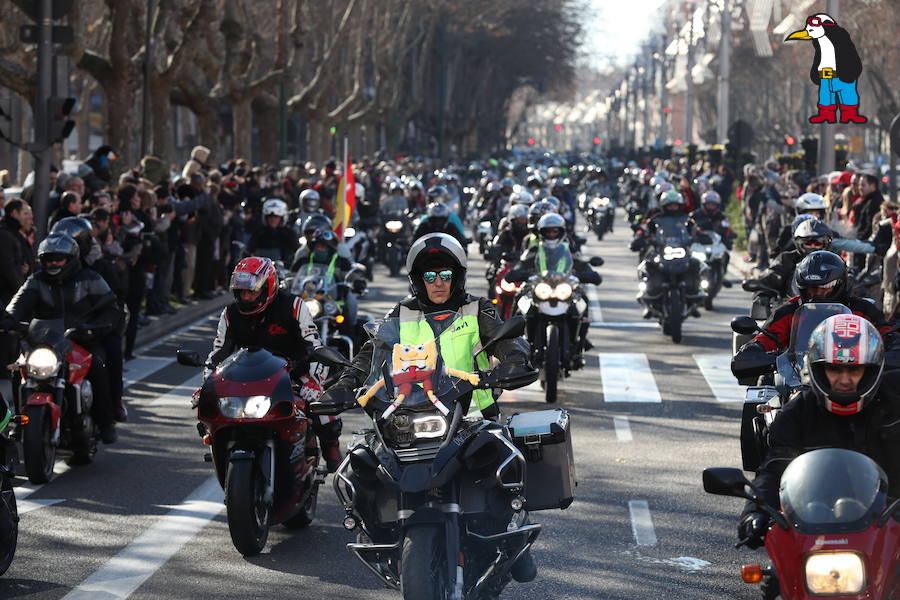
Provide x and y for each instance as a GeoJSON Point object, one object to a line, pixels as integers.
{"type": "Point", "coordinates": [701, 256]}
{"type": "Point", "coordinates": [315, 308]}
{"type": "Point", "coordinates": [507, 286]}
{"type": "Point", "coordinates": [835, 573]}
{"type": "Point", "coordinates": [394, 226]}
{"type": "Point", "coordinates": [563, 291]}
{"type": "Point", "coordinates": [673, 252]}
{"type": "Point", "coordinates": [704, 283]}
{"type": "Point", "coordinates": [332, 308]}
{"type": "Point", "coordinates": [429, 427]}
{"type": "Point", "coordinates": [543, 291]}
{"type": "Point", "coordinates": [42, 363]}
{"type": "Point", "coordinates": [349, 233]}
{"type": "Point", "coordinates": [240, 407]}
{"type": "Point", "coordinates": [603, 201]}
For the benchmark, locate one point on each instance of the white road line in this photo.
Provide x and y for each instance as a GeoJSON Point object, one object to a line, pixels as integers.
{"type": "Point", "coordinates": [123, 574]}
{"type": "Point", "coordinates": [627, 378]}
{"type": "Point", "coordinates": [27, 489]}
{"type": "Point", "coordinates": [625, 324]}
{"type": "Point", "coordinates": [716, 369]}
{"type": "Point", "coordinates": [623, 429]}
{"type": "Point", "coordinates": [642, 523]}
{"type": "Point", "coordinates": [180, 395]}
{"type": "Point", "coordinates": [593, 294]}
{"type": "Point", "coordinates": [27, 506]}
{"type": "Point", "coordinates": [142, 367]}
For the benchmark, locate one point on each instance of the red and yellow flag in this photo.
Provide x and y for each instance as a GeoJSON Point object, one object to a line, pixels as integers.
{"type": "Point", "coordinates": [346, 197]}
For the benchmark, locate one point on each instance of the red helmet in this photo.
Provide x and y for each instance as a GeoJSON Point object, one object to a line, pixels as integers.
{"type": "Point", "coordinates": [256, 274]}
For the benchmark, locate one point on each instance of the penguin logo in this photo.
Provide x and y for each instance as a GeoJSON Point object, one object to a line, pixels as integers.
{"type": "Point", "coordinates": [835, 69]}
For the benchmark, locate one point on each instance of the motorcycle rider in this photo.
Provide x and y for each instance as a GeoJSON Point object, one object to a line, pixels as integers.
{"type": "Point", "coordinates": [310, 203]}
{"type": "Point", "coordinates": [61, 286]}
{"type": "Point", "coordinates": [92, 257]}
{"type": "Point", "coordinates": [808, 204]}
{"type": "Point", "coordinates": [262, 315]}
{"type": "Point", "coordinates": [671, 204]}
{"type": "Point", "coordinates": [437, 265]}
{"type": "Point", "coordinates": [820, 277]}
{"type": "Point", "coordinates": [439, 219]}
{"type": "Point", "coordinates": [511, 239]}
{"type": "Point", "coordinates": [274, 239]}
{"type": "Point", "coordinates": [709, 217]}
{"type": "Point", "coordinates": [850, 404]}
{"type": "Point", "coordinates": [810, 236]}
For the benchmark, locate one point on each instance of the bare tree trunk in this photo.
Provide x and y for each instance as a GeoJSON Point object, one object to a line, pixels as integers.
{"type": "Point", "coordinates": [120, 120]}
{"type": "Point", "coordinates": [265, 111]}
{"type": "Point", "coordinates": [242, 117]}
{"type": "Point", "coordinates": [162, 141]}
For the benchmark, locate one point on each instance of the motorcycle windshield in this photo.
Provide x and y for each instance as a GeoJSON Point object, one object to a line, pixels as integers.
{"type": "Point", "coordinates": [671, 232]}
{"type": "Point", "coordinates": [806, 319]}
{"type": "Point", "coordinates": [313, 281]}
{"type": "Point", "coordinates": [554, 260]}
{"type": "Point", "coordinates": [249, 364]}
{"type": "Point", "coordinates": [832, 491]}
{"type": "Point", "coordinates": [408, 365]}
{"type": "Point", "coordinates": [48, 332]}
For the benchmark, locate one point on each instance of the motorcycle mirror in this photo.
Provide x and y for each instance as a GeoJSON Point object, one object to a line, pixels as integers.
{"type": "Point", "coordinates": [744, 325]}
{"type": "Point", "coordinates": [326, 409]}
{"type": "Point", "coordinates": [726, 481]}
{"type": "Point", "coordinates": [188, 358]}
{"type": "Point", "coordinates": [752, 285]}
{"type": "Point", "coordinates": [596, 261]}
{"type": "Point", "coordinates": [329, 356]}
{"type": "Point", "coordinates": [513, 327]}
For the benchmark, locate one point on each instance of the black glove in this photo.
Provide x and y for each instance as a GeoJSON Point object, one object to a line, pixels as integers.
{"type": "Point", "coordinates": [752, 529]}
{"type": "Point", "coordinates": [338, 395]}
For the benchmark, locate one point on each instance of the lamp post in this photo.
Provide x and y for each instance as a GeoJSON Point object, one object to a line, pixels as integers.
{"type": "Point", "coordinates": [724, 73]}
{"type": "Point", "coordinates": [689, 84]}
{"type": "Point", "coordinates": [826, 139]}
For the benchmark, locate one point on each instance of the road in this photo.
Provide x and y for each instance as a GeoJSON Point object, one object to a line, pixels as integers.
{"type": "Point", "coordinates": [145, 521]}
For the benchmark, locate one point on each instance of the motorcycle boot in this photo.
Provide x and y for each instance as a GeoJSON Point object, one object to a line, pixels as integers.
{"type": "Point", "coordinates": [524, 569]}
{"type": "Point", "coordinates": [329, 441]}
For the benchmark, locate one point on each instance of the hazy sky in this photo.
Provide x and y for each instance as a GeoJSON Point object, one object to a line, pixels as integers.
{"type": "Point", "coordinates": [616, 29]}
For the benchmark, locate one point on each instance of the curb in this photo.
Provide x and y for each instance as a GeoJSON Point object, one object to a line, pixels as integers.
{"type": "Point", "coordinates": [164, 325]}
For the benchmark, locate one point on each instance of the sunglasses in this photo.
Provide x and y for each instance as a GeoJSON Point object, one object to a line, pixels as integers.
{"type": "Point", "coordinates": [817, 22]}
{"type": "Point", "coordinates": [431, 276]}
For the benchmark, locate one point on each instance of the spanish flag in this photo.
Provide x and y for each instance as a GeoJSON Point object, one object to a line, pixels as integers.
{"type": "Point", "coordinates": [346, 197]}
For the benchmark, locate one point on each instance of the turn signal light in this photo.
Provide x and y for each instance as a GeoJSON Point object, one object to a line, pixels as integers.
{"type": "Point", "coordinates": [207, 440]}
{"type": "Point", "coordinates": [339, 319]}
{"type": "Point", "coordinates": [751, 573]}
{"type": "Point", "coordinates": [22, 419]}
{"type": "Point", "coordinates": [495, 301]}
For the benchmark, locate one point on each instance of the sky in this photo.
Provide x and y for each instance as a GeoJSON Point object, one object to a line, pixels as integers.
{"type": "Point", "coordinates": [616, 29]}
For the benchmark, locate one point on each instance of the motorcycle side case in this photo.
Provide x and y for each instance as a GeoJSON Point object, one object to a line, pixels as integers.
{"type": "Point", "coordinates": [545, 439]}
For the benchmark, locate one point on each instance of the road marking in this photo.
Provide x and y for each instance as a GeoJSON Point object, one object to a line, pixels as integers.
{"type": "Point", "coordinates": [530, 393]}
{"type": "Point", "coordinates": [180, 395]}
{"type": "Point", "coordinates": [593, 294]}
{"type": "Point", "coordinates": [623, 429]}
{"type": "Point", "coordinates": [625, 324]}
{"type": "Point", "coordinates": [27, 506]}
{"type": "Point", "coordinates": [716, 369]}
{"type": "Point", "coordinates": [642, 523]}
{"type": "Point", "coordinates": [25, 490]}
{"type": "Point", "coordinates": [142, 367]}
{"type": "Point", "coordinates": [627, 378]}
{"type": "Point", "coordinates": [123, 574]}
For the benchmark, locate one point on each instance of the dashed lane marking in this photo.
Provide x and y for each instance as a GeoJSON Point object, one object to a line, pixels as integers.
{"type": "Point", "coordinates": [716, 369]}
{"type": "Point", "coordinates": [642, 523]}
{"type": "Point", "coordinates": [627, 378]}
{"type": "Point", "coordinates": [623, 429]}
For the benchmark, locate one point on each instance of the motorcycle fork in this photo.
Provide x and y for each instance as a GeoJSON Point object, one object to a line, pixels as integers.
{"type": "Point", "coordinates": [267, 467]}
{"type": "Point", "coordinates": [455, 566]}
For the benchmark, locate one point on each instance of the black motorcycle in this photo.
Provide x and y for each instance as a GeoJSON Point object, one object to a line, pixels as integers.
{"type": "Point", "coordinates": [9, 515]}
{"type": "Point", "coordinates": [672, 280]}
{"type": "Point", "coordinates": [393, 241]}
{"type": "Point", "coordinates": [441, 492]}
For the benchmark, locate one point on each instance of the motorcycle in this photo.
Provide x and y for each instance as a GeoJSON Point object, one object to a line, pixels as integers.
{"type": "Point", "coordinates": [782, 375]}
{"type": "Point", "coordinates": [440, 494]}
{"type": "Point", "coordinates": [505, 292]}
{"type": "Point", "coordinates": [484, 234]}
{"type": "Point", "coordinates": [835, 535]}
{"type": "Point", "coordinates": [394, 241]}
{"type": "Point", "coordinates": [360, 248]}
{"type": "Point", "coordinates": [57, 397]}
{"type": "Point", "coordinates": [673, 282]}
{"type": "Point", "coordinates": [600, 215]}
{"type": "Point", "coordinates": [262, 445]}
{"type": "Point", "coordinates": [550, 301]}
{"type": "Point", "coordinates": [710, 249]}
{"type": "Point", "coordinates": [332, 304]}
{"type": "Point", "coordinates": [9, 515]}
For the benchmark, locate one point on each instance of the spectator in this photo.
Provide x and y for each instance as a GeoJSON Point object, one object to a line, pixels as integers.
{"type": "Point", "coordinates": [16, 263]}
{"type": "Point", "coordinates": [69, 206]}
{"type": "Point", "coordinates": [864, 211]}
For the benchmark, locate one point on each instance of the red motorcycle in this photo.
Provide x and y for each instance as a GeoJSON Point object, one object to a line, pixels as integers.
{"type": "Point", "coordinates": [57, 398]}
{"type": "Point", "coordinates": [505, 291]}
{"type": "Point", "coordinates": [835, 535]}
{"type": "Point", "coordinates": [264, 450]}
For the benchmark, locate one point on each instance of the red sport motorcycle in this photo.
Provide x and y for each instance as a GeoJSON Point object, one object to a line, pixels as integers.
{"type": "Point", "coordinates": [835, 535]}
{"type": "Point", "coordinates": [56, 396]}
{"type": "Point", "coordinates": [264, 450]}
{"type": "Point", "coordinates": [505, 291]}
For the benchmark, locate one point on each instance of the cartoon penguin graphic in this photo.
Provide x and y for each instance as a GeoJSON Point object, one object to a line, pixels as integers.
{"type": "Point", "coordinates": [835, 69]}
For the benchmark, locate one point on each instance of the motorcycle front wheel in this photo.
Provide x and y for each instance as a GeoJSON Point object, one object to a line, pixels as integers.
{"type": "Point", "coordinates": [248, 513]}
{"type": "Point", "coordinates": [674, 318]}
{"type": "Point", "coordinates": [551, 363]}
{"type": "Point", "coordinates": [39, 451]}
{"type": "Point", "coordinates": [9, 525]}
{"type": "Point", "coordinates": [423, 565]}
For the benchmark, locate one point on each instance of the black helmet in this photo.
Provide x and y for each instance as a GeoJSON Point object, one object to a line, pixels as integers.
{"type": "Point", "coordinates": [812, 235]}
{"type": "Point", "coordinates": [314, 222]}
{"type": "Point", "coordinates": [436, 250]}
{"type": "Point", "coordinates": [323, 236]}
{"type": "Point", "coordinates": [822, 269]}
{"type": "Point", "coordinates": [310, 201]}
{"type": "Point", "coordinates": [438, 193]}
{"type": "Point", "coordinates": [59, 246]}
{"type": "Point", "coordinates": [538, 210]}
{"type": "Point", "coordinates": [79, 229]}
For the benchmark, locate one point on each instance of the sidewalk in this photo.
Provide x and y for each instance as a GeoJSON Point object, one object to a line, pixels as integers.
{"type": "Point", "coordinates": [162, 326]}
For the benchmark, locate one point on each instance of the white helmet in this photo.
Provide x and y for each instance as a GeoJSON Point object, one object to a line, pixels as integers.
{"type": "Point", "coordinates": [809, 201]}
{"type": "Point", "coordinates": [276, 207]}
{"type": "Point", "coordinates": [521, 197]}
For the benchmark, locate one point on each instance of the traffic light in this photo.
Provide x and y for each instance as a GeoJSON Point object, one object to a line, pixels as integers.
{"type": "Point", "coordinates": [559, 127]}
{"type": "Point", "coordinates": [790, 141]}
{"type": "Point", "coordinates": [810, 153]}
{"type": "Point", "coordinates": [596, 141]}
{"type": "Point", "coordinates": [59, 126]}
{"type": "Point", "coordinates": [531, 141]}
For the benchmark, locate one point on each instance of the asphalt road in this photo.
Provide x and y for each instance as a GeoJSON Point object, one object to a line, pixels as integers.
{"type": "Point", "coordinates": [145, 521]}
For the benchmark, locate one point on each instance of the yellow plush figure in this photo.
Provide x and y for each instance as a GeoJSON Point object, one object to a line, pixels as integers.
{"type": "Point", "coordinates": [414, 364]}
